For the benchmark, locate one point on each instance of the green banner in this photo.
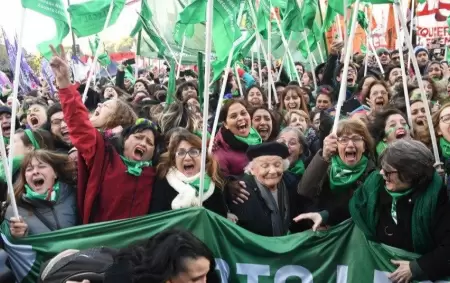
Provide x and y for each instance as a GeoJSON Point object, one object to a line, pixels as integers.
{"type": "Point", "coordinates": [341, 254]}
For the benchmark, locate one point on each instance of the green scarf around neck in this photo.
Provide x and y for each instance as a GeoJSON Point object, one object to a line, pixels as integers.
{"type": "Point", "coordinates": [445, 147]}
{"type": "Point", "coordinates": [17, 162]}
{"type": "Point", "coordinates": [253, 138]}
{"type": "Point", "coordinates": [6, 140]}
{"type": "Point", "coordinates": [395, 197]}
{"type": "Point", "coordinates": [50, 195]}
{"type": "Point", "coordinates": [200, 134]}
{"type": "Point", "coordinates": [196, 184]}
{"type": "Point", "coordinates": [342, 175]}
{"type": "Point", "coordinates": [135, 167]}
{"type": "Point", "coordinates": [298, 168]}
{"type": "Point", "coordinates": [364, 210]}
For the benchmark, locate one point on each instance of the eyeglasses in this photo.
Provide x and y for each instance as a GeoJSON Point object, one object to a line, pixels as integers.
{"type": "Point", "coordinates": [382, 53]}
{"type": "Point", "coordinates": [388, 173]}
{"type": "Point", "coordinates": [193, 152]}
{"type": "Point", "coordinates": [445, 119]}
{"type": "Point", "coordinates": [354, 139]}
{"type": "Point", "coordinates": [288, 143]}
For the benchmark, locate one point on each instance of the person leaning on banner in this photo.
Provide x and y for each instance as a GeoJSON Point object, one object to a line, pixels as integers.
{"type": "Point", "coordinates": [45, 195]}
{"type": "Point", "coordinates": [115, 180]}
{"type": "Point", "coordinates": [171, 256]}
{"type": "Point", "coordinates": [405, 205]}
{"type": "Point", "coordinates": [272, 201]}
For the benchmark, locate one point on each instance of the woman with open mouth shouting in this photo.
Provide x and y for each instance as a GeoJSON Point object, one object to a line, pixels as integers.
{"type": "Point", "coordinates": [255, 96]}
{"type": "Point", "coordinates": [178, 184]}
{"type": "Point", "coordinates": [339, 169]}
{"type": "Point", "coordinates": [378, 95]}
{"type": "Point", "coordinates": [388, 126]}
{"type": "Point", "coordinates": [292, 98]}
{"type": "Point", "coordinates": [441, 124]}
{"type": "Point", "coordinates": [45, 195]}
{"type": "Point", "coordinates": [115, 181]}
{"type": "Point", "coordinates": [37, 114]}
{"type": "Point", "coordinates": [264, 122]}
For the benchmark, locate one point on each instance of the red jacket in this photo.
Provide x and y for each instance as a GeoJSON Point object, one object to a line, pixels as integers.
{"type": "Point", "coordinates": [105, 190]}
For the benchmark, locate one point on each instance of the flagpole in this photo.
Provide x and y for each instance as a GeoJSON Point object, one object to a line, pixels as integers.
{"type": "Point", "coordinates": [97, 52]}
{"type": "Point", "coordinates": [8, 174]}
{"type": "Point", "coordinates": [397, 9]}
{"type": "Point", "coordinates": [269, 63]}
{"type": "Point", "coordinates": [181, 56]}
{"type": "Point", "coordinates": [320, 52]}
{"type": "Point", "coordinates": [253, 59]}
{"type": "Point", "coordinates": [259, 59]}
{"type": "Point", "coordinates": [16, 83]}
{"type": "Point", "coordinates": [310, 60]}
{"type": "Point", "coordinates": [164, 39]}
{"type": "Point", "coordinates": [345, 3]}
{"type": "Point", "coordinates": [343, 87]}
{"type": "Point", "coordinates": [284, 57]}
{"type": "Point", "coordinates": [74, 46]}
{"type": "Point", "coordinates": [376, 56]}
{"type": "Point", "coordinates": [411, 31]}
{"type": "Point", "coordinates": [368, 34]}
{"type": "Point", "coordinates": [208, 47]}
{"type": "Point", "coordinates": [404, 77]}
{"type": "Point", "coordinates": [239, 81]}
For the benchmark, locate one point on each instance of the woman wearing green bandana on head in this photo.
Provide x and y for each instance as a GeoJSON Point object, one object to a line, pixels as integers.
{"type": "Point", "coordinates": [179, 178]}
{"type": "Point", "coordinates": [25, 141]}
{"type": "Point", "coordinates": [339, 169]}
{"type": "Point", "coordinates": [389, 125]}
{"type": "Point", "coordinates": [45, 195]}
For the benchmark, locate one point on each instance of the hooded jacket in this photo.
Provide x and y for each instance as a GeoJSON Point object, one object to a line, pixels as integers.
{"type": "Point", "coordinates": [105, 190]}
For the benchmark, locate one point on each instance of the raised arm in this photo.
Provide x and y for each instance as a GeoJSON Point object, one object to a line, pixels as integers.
{"type": "Point", "coordinates": [82, 134]}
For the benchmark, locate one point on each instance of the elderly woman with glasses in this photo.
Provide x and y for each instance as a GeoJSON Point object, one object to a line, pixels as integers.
{"type": "Point", "coordinates": [271, 203]}
{"type": "Point", "coordinates": [178, 185]}
{"type": "Point", "coordinates": [339, 169]}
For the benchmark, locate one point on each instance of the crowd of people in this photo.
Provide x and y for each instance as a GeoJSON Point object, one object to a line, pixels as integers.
{"type": "Point", "coordinates": [274, 169]}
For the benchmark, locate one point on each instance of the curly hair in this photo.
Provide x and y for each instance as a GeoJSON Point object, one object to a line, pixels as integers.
{"type": "Point", "coordinates": [124, 116]}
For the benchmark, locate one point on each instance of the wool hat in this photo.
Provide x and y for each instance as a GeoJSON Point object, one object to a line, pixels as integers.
{"type": "Point", "coordinates": [419, 49]}
{"type": "Point", "coordinates": [5, 109]}
{"type": "Point", "coordinates": [267, 149]}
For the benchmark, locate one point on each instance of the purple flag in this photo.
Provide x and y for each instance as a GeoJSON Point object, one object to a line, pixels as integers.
{"type": "Point", "coordinates": [4, 80]}
{"type": "Point", "coordinates": [12, 52]}
{"type": "Point", "coordinates": [48, 75]}
{"type": "Point", "coordinates": [26, 70]}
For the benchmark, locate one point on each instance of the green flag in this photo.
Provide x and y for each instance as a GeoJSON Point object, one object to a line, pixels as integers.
{"type": "Point", "coordinates": [339, 254]}
{"type": "Point", "coordinates": [94, 45]}
{"type": "Point", "coordinates": [192, 14]}
{"type": "Point", "coordinates": [362, 20]}
{"type": "Point", "coordinates": [309, 11]}
{"type": "Point", "coordinates": [53, 9]}
{"type": "Point", "coordinates": [153, 41]}
{"type": "Point", "coordinates": [201, 77]}
{"type": "Point", "coordinates": [89, 18]}
{"type": "Point", "coordinates": [171, 89]}
{"type": "Point", "coordinates": [292, 20]}
{"type": "Point", "coordinates": [104, 59]}
{"type": "Point", "coordinates": [146, 14]}
{"type": "Point", "coordinates": [262, 17]}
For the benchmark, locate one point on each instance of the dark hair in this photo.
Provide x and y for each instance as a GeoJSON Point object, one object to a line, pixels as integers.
{"type": "Point", "coordinates": [275, 121]}
{"type": "Point", "coordinates": [325, 90]}
{"type": "Point", "coordinates": [163, 257]}
{"type": "Point", "coordinates": [143, 82]}
{"type": "Point", "coordinates": [376, 128]}
{"type": "Point", "coordinates": [180, 88]}
{"type": "Point", "coordinates": [374, 83]}
{"type": "Point", "coordinates": [43, 138]}
{"type": "Point", "coordinates": [341, 66]}
{"type": "Point", "coordinates": [224, 110]}
{"type": "Point", "coordinates": [264, 96]}
{"type": "Point", "coordinates": [388, 71]}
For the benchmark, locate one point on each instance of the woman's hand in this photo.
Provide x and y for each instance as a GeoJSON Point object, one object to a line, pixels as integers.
{"type": "Point", "coordinates": [18, 227]}
{"type": "Point", "coordinates": [314, 216]}
{"type": "Point", "coordinates": [238, 192]}
{"type": "Point", "coordinates": [329, 147]}
{"type": "Point", "coordinates": [403, 273]}
{"type": "Point", "coordinates": [60, 67]}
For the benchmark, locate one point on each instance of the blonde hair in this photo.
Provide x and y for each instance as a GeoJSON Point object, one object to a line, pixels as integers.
{"type": "Point", "coordinates": [124, 116]}
{"type": "Point", "coordinates": [301, 113]}
{"type": "Point", "coordinates": [167, 159]}
{"type": "Point", "coordinates": [357, 127]}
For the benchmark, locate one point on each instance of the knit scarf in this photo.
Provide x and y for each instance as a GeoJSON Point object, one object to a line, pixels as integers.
{"type": "Point", "coordinates": [253, 138]}
{"type": "Point", "coordinates": [445, 147]}
{"type": "Point", "coordinates": [298, 168]}
{"type": "Point", "coordinates": [381, 146]}
{"type": "Point", "coordinates": [342, 175]}
{"type": "Point", "coordinates": [364, 210]}
{"type": "Point", "coordinates": [135, 167]}
{"type": "Point", "coordinates": [395, 197]}
{"type": "Point", "coordinates": [188, 188]}
{"type": "Point", "coordinates": [17, 162]}
{"type": "Point", "coordinates": [50, 195]}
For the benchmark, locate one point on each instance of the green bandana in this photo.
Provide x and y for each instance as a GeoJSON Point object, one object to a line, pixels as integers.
{"type": "Point", "coordinates": [6, 140]}
{"type": "Point", "coordinates": [199, 134]}
{"type": "Point", "coordinates": [253, 138]}
{"type": "Point", "coordinates": [445, 147]}
{"type": "Point", "coordinates": [342, 175]}
{"type": "Point", "coordinates": [17, 162]}
{"type": "Point", "coordinates": [364, 210]}
{"type": "Point", "coordinates": [196, 184]}
{"type": "Point", "coordinates": [395, 197]}
{"type": "Point", "coordinates": [50, 195]}
{"type": "Point", "coordinates": [32, 139]}
{"type": "Point", "coordinates": [298, 168]}
{"type": "Point", "coordinates": [381, 146]}
{"type": "Point", "coordinates": [135, 167]}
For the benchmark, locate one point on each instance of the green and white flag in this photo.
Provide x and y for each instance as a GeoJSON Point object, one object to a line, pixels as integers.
{"type": "Point", "coordinates": [89, 18]}
{"type": "Point", "coordinates": [53, 9]}
{"type": "Point", "coordinates": [146, 15]}
{"type": "Point", "coordinates": [340, 254]}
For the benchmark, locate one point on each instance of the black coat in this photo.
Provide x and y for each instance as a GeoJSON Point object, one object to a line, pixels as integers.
{"type": "Point", "coordinates": [254, 215]}
{"type": "Point", "coordinates": [436, 263]}
{"type": "Point", "coordinates": [163, 195]}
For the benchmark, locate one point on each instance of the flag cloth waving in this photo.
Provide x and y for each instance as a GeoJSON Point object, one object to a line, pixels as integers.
{"type": "Point", "coordinates": [146, 15]}
{"type": "Point", "coordinates": [53, 9]}
{"type": "Point", "coordinates": [89, 18]}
